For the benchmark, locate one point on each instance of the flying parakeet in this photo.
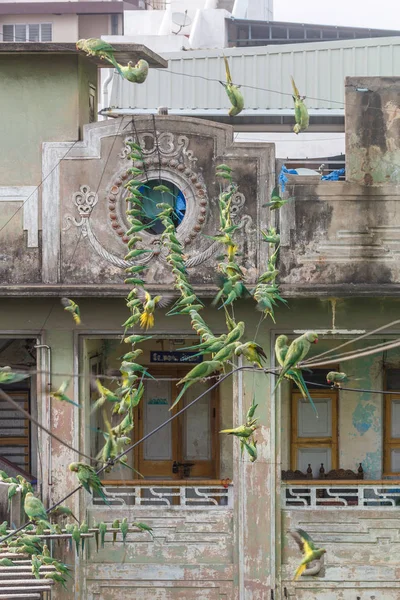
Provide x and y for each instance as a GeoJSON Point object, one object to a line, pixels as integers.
{"type": "Point", "coordinates": [7, 376]}
{"type": "Point", "coordinates": [308, 549]}
{"type": "Point", "coordinates": [243, 431]}
{"type": "Point", "coordinates": [271, 236]}
{"type": "Point", "coordinates": [105, 395]}
{"type": "Point", "coordinates": [61, 395]}
{"type": "Point", "coordinates": [73, 308]}
{"type": "Point", "coordinates": [149, 306]}
{"type": "Point", "coordinates": [276, 201]}
{"type": "Point", "coordinates": [88, 478]}
{"type": "Point", "coordinates": [233, 92]}
{"type": "Point", "coordinates": [300, 110]}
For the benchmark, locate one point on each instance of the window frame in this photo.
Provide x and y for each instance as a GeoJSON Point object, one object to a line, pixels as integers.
{"type": "Point", "coordinates": [27, 25]}
{"type": "Point", "coordinates": [297, 442]}
{"type": "Point", "coordinates": [389, 443]}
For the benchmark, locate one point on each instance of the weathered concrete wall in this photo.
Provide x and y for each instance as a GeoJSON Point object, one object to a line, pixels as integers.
{"type": "Point", "coordinates": [84, 239]}
{"type": "Point", "coordinates": [372, 130]}
{"type": "Point", "coordinates": [338, 235]}
{"type": "Point", "coordinates": [361, 560]}
{"type": "Point", "coordinates": [190, 558]}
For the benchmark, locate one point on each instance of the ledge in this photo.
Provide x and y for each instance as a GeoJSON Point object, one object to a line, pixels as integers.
{"type": "Point", "coordinates": [123, 52]}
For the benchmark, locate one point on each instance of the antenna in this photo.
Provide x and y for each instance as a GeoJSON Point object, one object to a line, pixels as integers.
{"type": "Point", "coordinates": [181, 19]}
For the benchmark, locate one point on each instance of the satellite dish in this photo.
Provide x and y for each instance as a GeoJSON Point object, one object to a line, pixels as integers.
{"type": "Point", "coordinates": [181, 19]}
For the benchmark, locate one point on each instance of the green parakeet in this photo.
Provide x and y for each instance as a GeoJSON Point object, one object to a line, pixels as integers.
{"type": "Point", "coordinates": [252, 352]}
{"type": "Point", "coordinates": [84, 528]}
{"type": "Point", "coordinates": [71, 307]}
{"type": "Point", "coordinates": [233, 92]}
{"type": "Point", "coordinates": [36, 564]}
{"type": "Point", "coordinates": [308, 549]}
{"type": "Point", "coordinates": [7, 562]}
{"type": "Point", "coordinates": [7, 376]}
{"type": "Point", "coordinates": [298, 350]}
{"type": "Point", "coordinates": [76, 536]}
{"type": "Point", "coordinates": [276, 201]}
{"type": "Point", "coordinates": [143, 527]}
{"type": "Point", "coordinates": [115, 525]}
{"type": "Point", "coordinates": [124, 529]}
{"type": "Point", "coordinates": [251, 448]}
{"type": "Point", "coordinates": [12, 490]}
{"type": "Point", "coordinates": [57, 577]}
{"type": "Point", "coordinates": [294, 374]}
{"type": "Point", "coordinates": [61, 395]}
{"type": "Point", "coordinates": [35, 510]}
{"type": "Point", "coordinates": [88, 478]}
{"type": "Point", "coordinates": [103, 531]}
{"type": "Point", "coordinates": [243, 431]}
{"type": "Point", "coordinates": [271, 236]}
{"type": "Point", "coordinates": [135, 73]}
{"type": "Point", "coordinates": [62, 511]}
{"type": "Point", "coordinates": [300, 110]}
{"type": "Point", "coordinates": [198, 372]}
{"type": "Point", "coordinates": [336, 378]}
{"type": "Point", "coordinates": [105, 396]}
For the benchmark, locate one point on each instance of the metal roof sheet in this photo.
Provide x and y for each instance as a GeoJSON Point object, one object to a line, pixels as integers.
{"type": "Point", "coordinates": [191, 81]}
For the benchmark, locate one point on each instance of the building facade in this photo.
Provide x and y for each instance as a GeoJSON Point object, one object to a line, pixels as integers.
{"type": "Point", "coordinates": [219, 521]}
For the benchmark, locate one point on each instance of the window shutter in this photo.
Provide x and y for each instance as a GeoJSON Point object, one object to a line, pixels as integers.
{"type": "Point", "coordinates": [8, 33]}
{"type": "Point", "coordinates": [46, 30]}
{"type": "Point", "coordinates": [34, 33]}
{"type": "Point", "coordinates": [20, 33]}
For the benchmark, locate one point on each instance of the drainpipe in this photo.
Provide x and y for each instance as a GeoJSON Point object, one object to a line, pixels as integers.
{"type": "Point", "coordinates": [106, 84]}
{"type": "Point", "coordinates": [49, 407]}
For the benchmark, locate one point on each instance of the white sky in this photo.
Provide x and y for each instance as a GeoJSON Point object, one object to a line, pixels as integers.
{"type": "Point", "coordinates": [378, 14]}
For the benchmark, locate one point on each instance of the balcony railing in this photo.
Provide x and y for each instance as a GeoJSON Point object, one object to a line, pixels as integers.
{"type": "Point", "coordinates": [329, 495]}
{"type": "Point", "coordinates": [175, 494]}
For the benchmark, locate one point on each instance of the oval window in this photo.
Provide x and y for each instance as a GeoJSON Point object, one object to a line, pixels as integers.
{"type": "Point", "coordinates": [152, 197]}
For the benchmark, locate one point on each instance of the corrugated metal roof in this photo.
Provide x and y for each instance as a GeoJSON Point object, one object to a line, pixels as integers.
{"type": "Point", "coordinates": [191, 80]}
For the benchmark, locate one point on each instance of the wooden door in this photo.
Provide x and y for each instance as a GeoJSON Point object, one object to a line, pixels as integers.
{"type": "Point", "coordinates": [188, 446]}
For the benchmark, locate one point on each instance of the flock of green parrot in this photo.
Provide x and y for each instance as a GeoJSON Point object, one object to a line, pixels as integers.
{"type": "Point", "coordinates": [219, 351]}
{"type": "Point", "coordinates": [30, 542]}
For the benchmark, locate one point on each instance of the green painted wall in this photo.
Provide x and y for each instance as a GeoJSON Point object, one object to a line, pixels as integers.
{"type": "Point", "coordinates": [44, 98]}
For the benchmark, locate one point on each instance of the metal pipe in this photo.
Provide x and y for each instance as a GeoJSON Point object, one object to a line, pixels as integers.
{"type": "Point", "coordinates": [49, 407]}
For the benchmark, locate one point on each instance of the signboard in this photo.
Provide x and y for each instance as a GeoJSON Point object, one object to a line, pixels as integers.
{"type": "Point", "coordinates": [175, 357]}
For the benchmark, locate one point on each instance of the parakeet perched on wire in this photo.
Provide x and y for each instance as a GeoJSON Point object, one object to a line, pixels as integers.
{"type": "Point", "coordinates": [300, 110]}
{"type": "Point", "coordinates": [71, 306]}
{"type": "Point", "coordinates": [308, 549]}
{"type": "Point", "coordinates": [233, 92]}
{"type": "Point", "coordinates": [88, 478]}
{"type": "Point", "coordinates": [336, 378]}
{"type": "Point", "coordinates": [198, 372]}
{"type": "Point", "coordinates": [61, 395]}
{"type": "Point", "coordinates": [135, 73]}
{"type": "Point", "coordinates": [143, 527]}
{"type": "Point", "coordinates": [298, 350]}
{"type": "Point", "coordinates": [60, 512]}
{"type": "Point", "coordinates": [252, 352]}
{"type": "Point", "coordinates": [294, 374]}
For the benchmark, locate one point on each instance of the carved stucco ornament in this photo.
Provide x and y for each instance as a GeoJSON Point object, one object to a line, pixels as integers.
{"type": "Point", "coordinates": [167, 157]}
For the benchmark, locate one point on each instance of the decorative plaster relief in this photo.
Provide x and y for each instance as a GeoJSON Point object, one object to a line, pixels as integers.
{"type": "Point", "coordinates": [28, 195]}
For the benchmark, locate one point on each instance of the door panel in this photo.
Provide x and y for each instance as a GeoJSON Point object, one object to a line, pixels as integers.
{"type": "Point", "coordinates": [191, 438]}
